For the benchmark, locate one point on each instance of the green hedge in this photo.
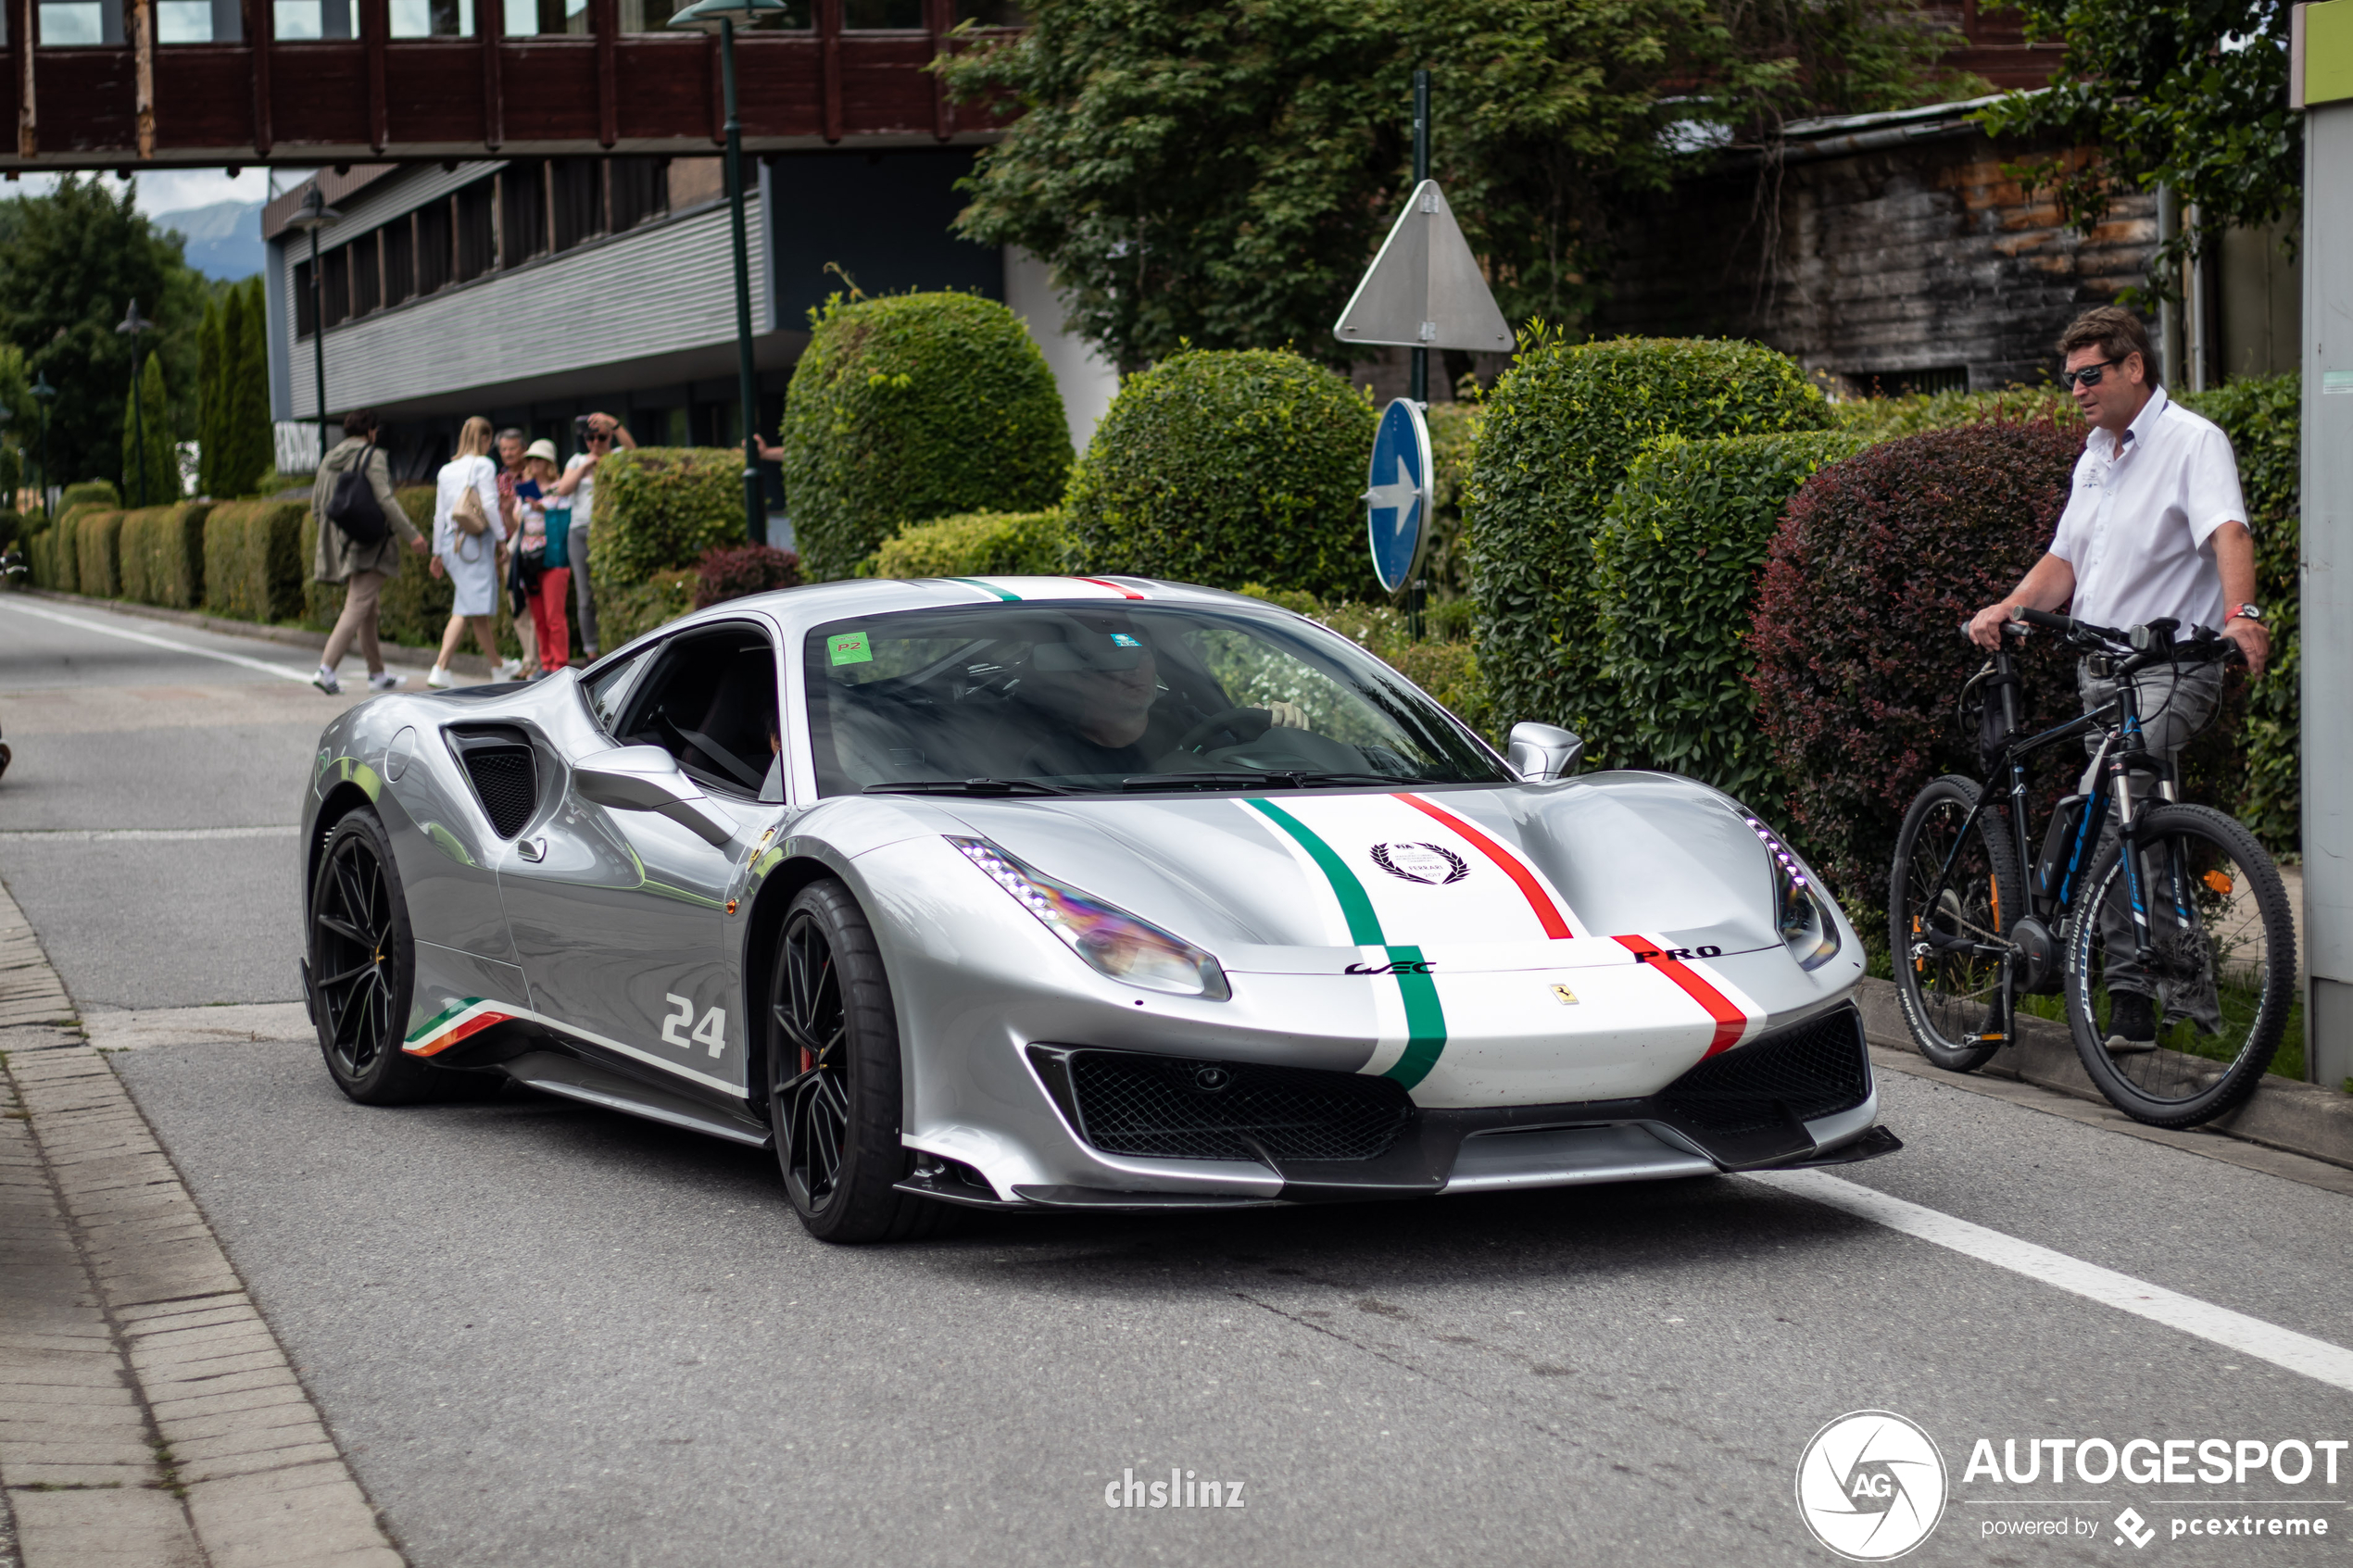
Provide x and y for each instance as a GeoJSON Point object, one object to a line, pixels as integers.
{"type": "Point", "coordinates": [978, 545]}
{"type": "Point", "coordinates": [253, 565]}
{"type": "Point", "coordinates": [914, 406]}
{"type": "Point", "coordinates": [11, 527]}
{"type": "Point", "coordinates": [1675, 566]}
{"type": "Point", "coordinates": [87, 491]}
{"type": "Point", "coordinates": [628, 612]}
{"type": "Point", "coordinates": [1445, 666]}
{"type": "Point", "coordinates": [98, 561]}
{"type": "Point", "coordinates": [1226, 466]}
{"type": "Point", "coordinates": [1889, 418]}
{"type": "Point", "coordinates": [1453, 446]}
{"type": "Point", "coordinates": [162, 555]}
{"type": "Point", "coordinates": [1560, 429]}
{"type": "Point", "coordinates": [660, 507]}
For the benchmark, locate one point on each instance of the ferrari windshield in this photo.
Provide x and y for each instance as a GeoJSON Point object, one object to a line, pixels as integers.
{"type": "Point", "coordinates": [1048, 699]}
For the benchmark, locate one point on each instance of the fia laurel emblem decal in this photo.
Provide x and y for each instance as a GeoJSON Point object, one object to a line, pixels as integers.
{"type": "Point", "coordinates": [1424, 863]}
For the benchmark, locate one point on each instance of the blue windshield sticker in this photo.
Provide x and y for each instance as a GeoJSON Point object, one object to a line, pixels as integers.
{"type": "Point", "coordinates": [1121, 639]}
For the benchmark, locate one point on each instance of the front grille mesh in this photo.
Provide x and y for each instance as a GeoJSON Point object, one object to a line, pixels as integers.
{"type": "Point", "coordinates": [1816, 1067]}
{"type": "Point", "coordinates": [506, 783]}
{"type": "Point", "coordinates": [1160, 1108]}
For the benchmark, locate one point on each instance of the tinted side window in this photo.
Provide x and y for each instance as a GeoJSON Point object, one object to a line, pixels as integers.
{"type": "Point", "coordinates": [609, 691]}
{"type": "Point", "coordinates": [710, 700]}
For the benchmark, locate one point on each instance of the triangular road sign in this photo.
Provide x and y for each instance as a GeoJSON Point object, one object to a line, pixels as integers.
{"type": "Point", "coordinates": [1425, 289]}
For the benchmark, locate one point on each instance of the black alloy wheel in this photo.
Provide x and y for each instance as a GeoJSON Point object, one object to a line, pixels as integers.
{"type": "Point", "coordinates": [833, 1076]}
{"type": "Point", "coordinates": [363, 969]}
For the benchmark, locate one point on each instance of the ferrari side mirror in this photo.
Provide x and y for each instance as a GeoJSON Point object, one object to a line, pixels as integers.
{"type": "Point", "coordinates": [1538, 752]}
{"type": "Point", "coordinates": [647, 778]}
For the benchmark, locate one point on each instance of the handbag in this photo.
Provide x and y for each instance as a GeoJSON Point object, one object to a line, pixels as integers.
{"type": "Point", "coordinates": [468, 513]}
{"type": "Point", "coordinates": [352, 505]}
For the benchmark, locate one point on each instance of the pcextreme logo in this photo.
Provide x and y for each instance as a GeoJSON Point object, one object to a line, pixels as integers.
{"type": "Point", "coordinates": [1870, 1486]}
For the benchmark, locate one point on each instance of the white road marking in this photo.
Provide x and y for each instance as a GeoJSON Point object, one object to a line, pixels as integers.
{"type": "Point", "coordinates": [2315, 1359]}
{"type": "Point", "coordinates": [281, 671]}
{"type": "Point", "coordinates": [142, 835]}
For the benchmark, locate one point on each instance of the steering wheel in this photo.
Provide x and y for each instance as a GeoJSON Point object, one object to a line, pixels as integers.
{"type": "Point", "coordinates": [1245, 724]}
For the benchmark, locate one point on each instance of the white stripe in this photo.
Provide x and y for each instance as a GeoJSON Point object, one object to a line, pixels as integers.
{"type": "Point", "coordinates": [2315, 1359]}
{"type": "Point", "coordinates": [127, 636]}
{"type": "Point", "coordinates": [140, 835]}
{"type": "Point", "coordinates": [525, 1014]}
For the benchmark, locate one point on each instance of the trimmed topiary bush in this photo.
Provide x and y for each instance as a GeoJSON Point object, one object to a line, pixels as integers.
{"type": "Point", "coordinates": [1226, 466]}
{"type": "Point", "coordinates": [1916, 413]}
{"type": "Point", "coordinates": [1860, 659]}
{"type": "Point", "coordinates": [1445, 668]}
{"type": "Point", "coordinates": [1674, 567]}
{"type": "Point", "coordinates": [627, 613]}
{"type": "Point", "coordinates": [740, 570]}
{"type": "Point", "coordinates": [1453, 442]}
{"type": "Point", "coordinates": [253, 568]}
{"type": "Point", "coordinates": [98, 558]}
{"type": "Point", "coordinates": [162, 555]}
{"type": "Point", "coordinates": [978, 545]}
{"type": "Point", "coordinates": [87, 492]}
{"type": "Point", "coordinates": [1560, 429]}
{"type": "Point", "coordinates": [661, 507]}
{"type": "Point", "coordinates": [914, 406]}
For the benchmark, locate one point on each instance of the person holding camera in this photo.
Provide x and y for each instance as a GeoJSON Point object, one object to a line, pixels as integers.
{"type": "Point", "coordinates": [362, 567]}
{"type": "Point", "coordinates": [598, 435]}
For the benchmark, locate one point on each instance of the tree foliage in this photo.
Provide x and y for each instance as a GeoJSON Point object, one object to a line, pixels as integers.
{"type": "Point", "coordinates": [2191, 94]}
{"type": "Point", "coordinates": [150, 472]}
{"type": "Point", "coordinates": [1216, 173]}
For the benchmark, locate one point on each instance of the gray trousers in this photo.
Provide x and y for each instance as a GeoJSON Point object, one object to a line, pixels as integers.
{"type": "Point", "coordinates": [2173, 709]}
{"type": "Point", "coordinates": [576, 552]}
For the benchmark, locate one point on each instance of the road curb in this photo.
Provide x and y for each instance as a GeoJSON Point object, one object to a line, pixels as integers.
{"type": "Point", "coordinates": [148, 1415]}
{"type": "Point", "coordinates": [292, 637]}
{"type": "Point", "coordinates": [2305, 1119]}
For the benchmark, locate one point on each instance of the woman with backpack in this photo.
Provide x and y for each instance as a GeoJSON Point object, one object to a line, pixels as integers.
{"type": "Point", "coordinates": [361, 529]}
{"type": "Point", "coordinates": [465, 540]}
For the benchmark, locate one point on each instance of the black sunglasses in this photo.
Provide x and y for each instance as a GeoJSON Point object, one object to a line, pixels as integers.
{"type": "Point", "coordinates": [2089, 375]}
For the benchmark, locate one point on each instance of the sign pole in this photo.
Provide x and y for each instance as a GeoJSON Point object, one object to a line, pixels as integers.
{"type": "Point", "coordinates": [1417, 385]}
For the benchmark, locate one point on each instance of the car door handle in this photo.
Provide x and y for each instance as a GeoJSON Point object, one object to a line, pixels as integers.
{"type": "Point", "coordinates": [533, 849]}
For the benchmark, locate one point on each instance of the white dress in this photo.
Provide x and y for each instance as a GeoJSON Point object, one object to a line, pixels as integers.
{"type": "Point", "coordinates": [470, 559]}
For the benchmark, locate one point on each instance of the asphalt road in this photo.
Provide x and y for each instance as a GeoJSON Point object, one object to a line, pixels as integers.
{"type": "Point", "coordinates": [548, 1334]}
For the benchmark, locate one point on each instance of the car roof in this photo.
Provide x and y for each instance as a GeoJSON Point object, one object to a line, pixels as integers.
{"type": "Point", "coordinates": [796, 610]}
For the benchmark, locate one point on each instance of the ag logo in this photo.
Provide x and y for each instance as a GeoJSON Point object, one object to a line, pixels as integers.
{"type": "Point", "coordinates": [1424, 863]}
{"type": "Point", "coordinates": [1870, 1486]}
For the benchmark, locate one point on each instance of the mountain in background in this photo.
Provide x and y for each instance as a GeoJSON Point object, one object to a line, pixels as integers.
{"type": "Point", "coordinates": [223, 238]}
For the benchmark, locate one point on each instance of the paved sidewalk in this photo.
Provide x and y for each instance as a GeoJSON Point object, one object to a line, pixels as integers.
{"type": "Point", "coordinates": [148, 1416]}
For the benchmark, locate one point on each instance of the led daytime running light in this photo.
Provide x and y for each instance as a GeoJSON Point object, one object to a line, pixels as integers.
{"type": "Point", "coordinates": [1801, 910]}
{"type": "Point", "coordinates": [1113, 942]}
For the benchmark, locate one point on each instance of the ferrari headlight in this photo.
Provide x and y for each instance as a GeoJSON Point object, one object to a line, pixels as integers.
{"type": "Point", "coordinates": [1801, 910]}
{"type": "Point", "coordinates": [1132, 951]}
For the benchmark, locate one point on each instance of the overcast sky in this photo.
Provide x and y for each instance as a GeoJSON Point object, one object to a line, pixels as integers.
{"type": "Point", "coordinates": [171, 190]}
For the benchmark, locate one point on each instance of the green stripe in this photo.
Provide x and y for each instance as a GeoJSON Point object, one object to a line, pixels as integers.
{"type": "Point", "coordinates": [433, 1024]}
{"type": "Point", "coordinates": [1425, 1019]}
{"type": "Point", "coordinates": [987, 588]}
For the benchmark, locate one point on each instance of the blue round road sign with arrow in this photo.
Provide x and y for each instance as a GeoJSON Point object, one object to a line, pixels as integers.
{"type": "Point", "coordinates": [1398, 499]}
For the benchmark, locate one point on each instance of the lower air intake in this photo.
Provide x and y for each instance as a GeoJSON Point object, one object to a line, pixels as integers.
{"type": "Point", "coordinates": [1169, 1108]}
{"type": "Point", "coordinates": [506, 780]}
{"type": "Point", "coordinates": [1815, 1069]}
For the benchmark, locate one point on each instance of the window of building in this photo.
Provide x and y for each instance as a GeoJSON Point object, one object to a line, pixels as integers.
{"type": "Point", "coordinates": [305, 302]}
{"type": "Point", "coordinates": [477, 220]}
{"type": "Point", "coordinates": [577, 193]}
{"type": "Point", "coordinates": [338, 264]}
{"type": "Point", "coordinates": [435, 248]}
{"type": "Point", "coordinates": [295, 21]}
{"type": "Point", "coordinates": [881, 16]}
{"type": "Point", "coordinates": [199, 21]}
{"type": "Point", "coordinates": [367, 277]}
{"type": "Point", "coordinates": [400, 261]}
{"type": "Point", "coordinates": [79, 21]}
{"type": "Point", "coordinates": [640, 190]}
{"type": "Point", "coordinates": [432, 18]}
{"type": "Point", "coordinates": [522, 208]}
{"type": "Point", "coordinates": [522, 19]}
{"type": "Point", "coordinates": [575, 15]}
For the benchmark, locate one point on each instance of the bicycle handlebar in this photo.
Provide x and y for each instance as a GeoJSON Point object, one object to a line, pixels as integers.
{"type": "Point", "coordinates": [2151, 644]}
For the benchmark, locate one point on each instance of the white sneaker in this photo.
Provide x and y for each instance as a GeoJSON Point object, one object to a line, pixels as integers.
{"type": "Point", "coordinates": [325, 681]}
{"type": "Point", "coordinates": [509, 670]}
{"type": "Point", "coordinates": [384, 680]}
{"type": "Point", "coordinates": [438, 679]}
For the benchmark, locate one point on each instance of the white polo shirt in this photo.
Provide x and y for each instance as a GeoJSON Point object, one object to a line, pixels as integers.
{"type": "Point", "coordinates": [2140, 522]}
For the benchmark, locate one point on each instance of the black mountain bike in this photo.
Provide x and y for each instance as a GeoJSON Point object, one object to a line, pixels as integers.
{"type": "Point", "coordinates": [2182, 909]}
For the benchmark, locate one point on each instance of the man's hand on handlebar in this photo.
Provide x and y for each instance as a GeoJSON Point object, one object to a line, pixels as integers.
{"type": "Point", "coordinates": [1986, 627]}
{"type": "Point", "coordinates": [2254, 640]}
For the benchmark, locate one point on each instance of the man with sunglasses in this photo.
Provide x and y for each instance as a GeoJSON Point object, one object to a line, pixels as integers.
{"type": "Point", "coordinates": [601, 432]}
{"type": "Point", "coordinates": [2155, 526]}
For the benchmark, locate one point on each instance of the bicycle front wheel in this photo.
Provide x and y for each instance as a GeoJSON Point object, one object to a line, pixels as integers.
{"type": "Point", "coordinates": [1953, 884]}
{"type": "Point", "coordinates": [2176, 1024]}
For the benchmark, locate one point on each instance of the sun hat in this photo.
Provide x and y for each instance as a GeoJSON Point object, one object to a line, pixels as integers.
{"type": "Point", "coordinates": [543, 448]}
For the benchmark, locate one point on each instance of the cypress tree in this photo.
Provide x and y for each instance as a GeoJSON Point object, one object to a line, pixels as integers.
{"type": "Point", "coordinates": [210, 426]}
{"type": "Point", "coordinates": [161, 474]}
{"type": "Point", "coordinates": [245, 395]}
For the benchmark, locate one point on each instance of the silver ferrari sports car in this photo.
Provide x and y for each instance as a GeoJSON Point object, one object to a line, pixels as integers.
{"type": "Point", "coordinates": [1051, 893]}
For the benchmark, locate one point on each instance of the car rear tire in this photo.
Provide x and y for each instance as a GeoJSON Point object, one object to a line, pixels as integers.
{"type": "Point", "coordinates": [834, 1092]}
{"type": "Point", "coordinates": [363, 969]}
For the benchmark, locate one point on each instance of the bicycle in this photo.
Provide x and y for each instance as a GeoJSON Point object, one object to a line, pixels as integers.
{"type": "Point", "coordinates": [1980, 919]}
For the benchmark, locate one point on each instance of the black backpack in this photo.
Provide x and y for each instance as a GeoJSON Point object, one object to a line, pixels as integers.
{"type": "Point", "coordinates": [352, 505]}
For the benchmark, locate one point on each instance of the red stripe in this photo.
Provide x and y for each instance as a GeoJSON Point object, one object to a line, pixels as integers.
{"type": "Point", "coordinates": [1731, 1022]}
{"type": "Point", "coordinates": [1114, 587]}
{"type": "Point", "coordinates": [1547, 913]}
{"type": "Point", "coordinates": [449, 1038]}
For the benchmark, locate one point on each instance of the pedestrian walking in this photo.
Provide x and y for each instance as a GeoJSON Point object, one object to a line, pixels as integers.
{"type": "Point", "coordinates": [510, 465]}
{"type": "Point", "coordinates": [543, 560]}
{"type": "Point", "coordinates": [465, 539]}
{"type": "Point", "coordinates": [358, 548]}
{"type": "Point", "coordinates": [600, 434]}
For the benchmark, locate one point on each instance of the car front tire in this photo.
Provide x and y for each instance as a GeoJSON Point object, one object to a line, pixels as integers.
{"type": "Point", "coordinates": [363, 969]}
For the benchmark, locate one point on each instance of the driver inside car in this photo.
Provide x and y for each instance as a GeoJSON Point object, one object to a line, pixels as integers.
{"type": "Point", "coordinates": [1098, 704]}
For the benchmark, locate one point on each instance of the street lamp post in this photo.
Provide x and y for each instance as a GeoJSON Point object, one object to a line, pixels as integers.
{"type": "Point", "coordinates": [311, 215]}
{"type": "Point", "coordinates": [723, 16]}
{"type": "Point", "coordinates": [131, 326]}
{"type": "Point", "coordinates": [44, 395]}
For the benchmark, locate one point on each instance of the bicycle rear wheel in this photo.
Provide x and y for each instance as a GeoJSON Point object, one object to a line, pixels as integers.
{"type": "Point", "coordinates": [2218, 970]}
{"type": "Point", "coordinates": [1950, 887]}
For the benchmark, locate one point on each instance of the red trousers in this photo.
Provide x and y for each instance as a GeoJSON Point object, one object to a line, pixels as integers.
{"type": "Point", "coordinates": [547, 618]}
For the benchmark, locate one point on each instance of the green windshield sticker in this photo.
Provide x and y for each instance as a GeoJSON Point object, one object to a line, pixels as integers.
{"type": "Point", "coordinates": [849, 647]}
